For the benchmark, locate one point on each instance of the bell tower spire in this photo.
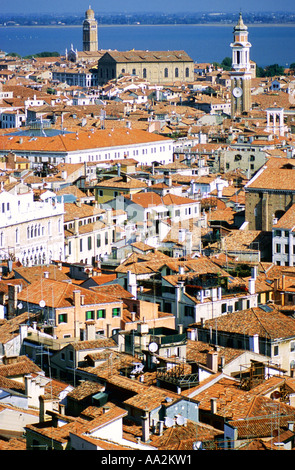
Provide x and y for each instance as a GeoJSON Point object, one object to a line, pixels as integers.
{"type": "Point", "coordinates": [241, 69]}
{"type": "Point", "coordinates": [90, 37]}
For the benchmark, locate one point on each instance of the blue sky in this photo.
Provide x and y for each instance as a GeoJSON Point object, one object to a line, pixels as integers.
{"type": "Point", "coordinates": [172, 6]}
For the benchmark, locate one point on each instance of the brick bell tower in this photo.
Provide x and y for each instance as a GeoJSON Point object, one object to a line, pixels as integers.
{"type": "Point", "coordinates": [90, 37]}
{"type": "Point", "coordinates": [241, 71]}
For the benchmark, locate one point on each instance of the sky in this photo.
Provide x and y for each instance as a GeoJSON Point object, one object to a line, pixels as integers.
{"type": "Point", "coordinates": [170, 6]}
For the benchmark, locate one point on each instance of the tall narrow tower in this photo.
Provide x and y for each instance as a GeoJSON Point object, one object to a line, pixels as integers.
{"type": "Point", "coordinates": [90, 39]}
{"type": "Point", "coordinates": [241, 71]}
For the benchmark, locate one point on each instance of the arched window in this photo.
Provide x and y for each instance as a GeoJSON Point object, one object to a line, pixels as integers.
{"type": "Point", "coordinates": [133, 71]}
{"type": "Point", "coordinates": [187, 72]}
{"type": "Point", "coordinates": [144, 73]}
{"type": "Point", "coordinates": [166, 72]}
{"type": "Point", "coordinates": [176, 72]}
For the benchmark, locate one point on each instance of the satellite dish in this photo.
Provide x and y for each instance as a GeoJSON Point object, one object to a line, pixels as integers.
{"type": "Point", "coordinates": [180, 420]}
{"type": "Point", "coordinates": [42, 303]}
{"type": "Point", "coordinates": [153, 347]}
{"type": "Point", "coordinates": [197, 445]}
{"type": "Point", "coordinates": [169, 422]}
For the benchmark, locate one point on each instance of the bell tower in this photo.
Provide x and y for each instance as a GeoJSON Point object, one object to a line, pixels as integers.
{"type": "Point", "coordinates": [90, 39]}
{"type": "Point", "coordinates": [241, 71]}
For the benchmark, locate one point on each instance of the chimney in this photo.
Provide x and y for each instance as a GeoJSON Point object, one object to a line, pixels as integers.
{"type": "Point", "coordinates": [213, 405]}
{"type": "Point", "coordinates": [251, 286]}
{"type": "Point", "coordinates": [181, 270]}
{"type": "Point", "coordinates": [145, 426]}
{"type": "Point", "coordinates": [77, 297]}
{"type": "Point", "coordinates": [212, 360]}
{"type": "Point", "coordinates": [132, 284]}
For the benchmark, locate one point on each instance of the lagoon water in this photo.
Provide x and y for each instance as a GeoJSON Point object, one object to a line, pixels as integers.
{"type": "Point", "coordinates": [271, 44]}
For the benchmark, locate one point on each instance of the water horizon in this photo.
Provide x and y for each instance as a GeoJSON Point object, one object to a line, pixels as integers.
{"type": "Point", "coordinates": [203, 42]}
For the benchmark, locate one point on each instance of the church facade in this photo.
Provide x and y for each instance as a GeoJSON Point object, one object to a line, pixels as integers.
{"type": "Point", "coordinates": [159, 67]}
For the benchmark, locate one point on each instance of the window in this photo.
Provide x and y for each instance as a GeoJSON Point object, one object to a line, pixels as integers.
{"type": "Point", "coordinates": [98, 240]}
{"type": "Point", "coordinates": [89, 240]}
{"type": "Point", "coordinates": [278, 248]}
{"type": "Point", "coordinates": [292, 346]}
{"type": "Point", "coordinates": [101, 313]}
{"type": "Point", "coordinates": [276, 350]}
{"type": "Point", "coordinates": [176, 72]}
{"type": "Point", "coordinates": [223, 308]}
{"type": "Point", "coordinates": [144, 73]}
{"type": "Point", "coordinates": [189, 311]}
{"type": "Point", "coordinates": [187, 72]}
{"type": "Point", "coordinates": [166, 72]}
{"type": "Point", "coordinates": [63, 318]}
{"type": "Point", "coordinates": [116, 312]}
{"type": "Point", "coordinates": [90, 315]}
{"type": "Point", "coordinates": [81, 244]}
{"type": "Point", "coordinates": [106, 238]}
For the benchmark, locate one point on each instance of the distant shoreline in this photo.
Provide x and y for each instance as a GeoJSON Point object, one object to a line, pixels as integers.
{"type": "Point", "coordinates": [258, 25]}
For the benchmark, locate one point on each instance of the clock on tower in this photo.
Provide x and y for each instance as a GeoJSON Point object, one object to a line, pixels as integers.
{"type": "Point", "coordinates": [241, 71]}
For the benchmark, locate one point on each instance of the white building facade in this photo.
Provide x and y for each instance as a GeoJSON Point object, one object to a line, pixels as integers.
{"type": "Point", "coordinates": [31, 232]}
{"type": "Point", "coordinates": [92, 146]}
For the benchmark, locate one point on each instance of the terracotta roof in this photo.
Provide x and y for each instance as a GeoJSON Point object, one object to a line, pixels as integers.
{"type": "Point", "coordinates": [149, 56]}
{"type": "Point", "coordinates": [22, 366]}
{"type": "Point", "coordinates": [34, 273]}
{"type": "Point", "coordinates": [269, 324]}
{"type": "Point", "coordinates": [122, 182]}
{"type": "Point", "coordinates": [287, 221]}
{"type": "Point", "coordinates": [63, 294]}
{"type": "Point", "coordinates": [83, 140]}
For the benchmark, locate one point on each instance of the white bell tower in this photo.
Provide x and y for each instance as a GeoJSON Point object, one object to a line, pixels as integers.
{"type": "Point", "coordinates": [241, 70]}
